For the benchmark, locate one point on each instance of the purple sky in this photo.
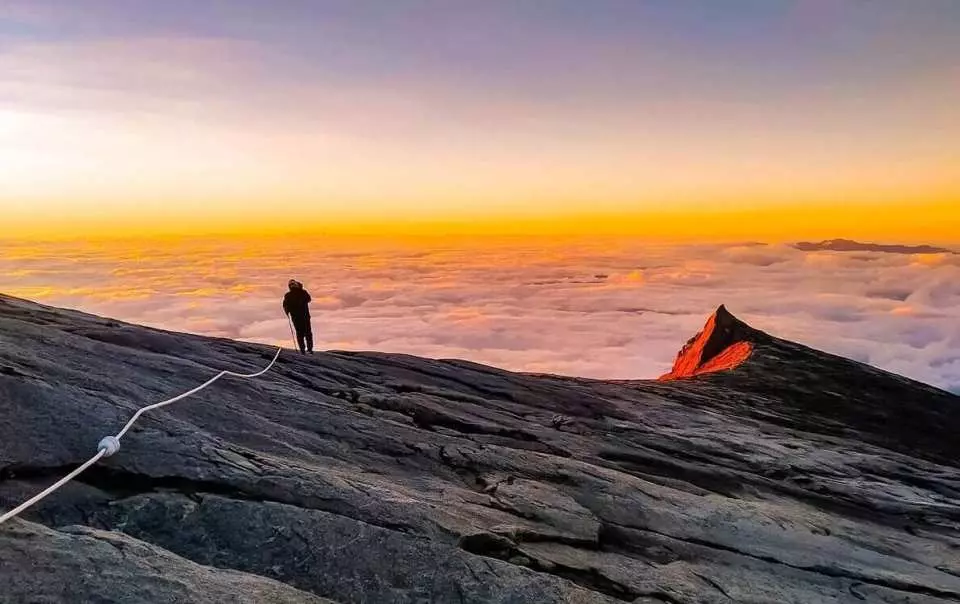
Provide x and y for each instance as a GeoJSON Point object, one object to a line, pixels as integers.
{"type": "Point", "coordinates": [353, 109]}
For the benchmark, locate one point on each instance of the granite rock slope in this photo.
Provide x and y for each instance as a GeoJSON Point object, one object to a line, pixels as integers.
{"type": "Point", "coordinates": [792, 476]}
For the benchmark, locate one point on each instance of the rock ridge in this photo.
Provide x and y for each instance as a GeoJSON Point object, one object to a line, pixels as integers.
{"type": "Point", "coordinates": [723, 344]}
{"type": "Point", "coordinates": [792, 476]}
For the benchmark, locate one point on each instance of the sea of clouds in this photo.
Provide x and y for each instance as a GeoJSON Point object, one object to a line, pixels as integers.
{"type": "Point", "coordinates": [600, 308]}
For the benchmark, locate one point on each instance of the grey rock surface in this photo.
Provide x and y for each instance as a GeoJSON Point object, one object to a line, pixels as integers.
{"type": "Point", "coordinates": [364, 477]}
{"type": "Point", "coordinates": [80, 564]}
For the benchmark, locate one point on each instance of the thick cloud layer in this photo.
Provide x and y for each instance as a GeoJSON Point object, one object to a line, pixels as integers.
{"type": "Point", "coordinates": [606, 309]}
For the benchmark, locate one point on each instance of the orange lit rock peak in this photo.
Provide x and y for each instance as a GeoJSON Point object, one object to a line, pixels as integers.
{"type": "Point", "coordinates": [723, 344]}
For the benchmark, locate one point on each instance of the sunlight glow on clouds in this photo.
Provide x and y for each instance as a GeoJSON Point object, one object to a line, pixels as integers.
{"type": "Point", "coordinates": [601, 308]}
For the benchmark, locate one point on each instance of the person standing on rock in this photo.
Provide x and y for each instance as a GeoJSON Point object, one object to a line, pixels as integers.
{"type": "Point", "coordinates": [296, 304]}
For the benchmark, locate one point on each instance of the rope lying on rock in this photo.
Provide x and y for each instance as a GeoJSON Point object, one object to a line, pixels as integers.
{"type": "Point", "coordinates": [111, 444]}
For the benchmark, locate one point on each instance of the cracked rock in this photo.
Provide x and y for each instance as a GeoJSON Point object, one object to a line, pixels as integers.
{"type": "Point", "coordinates": [766, 472]}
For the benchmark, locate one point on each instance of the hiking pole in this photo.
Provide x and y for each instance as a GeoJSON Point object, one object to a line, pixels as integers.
{"type": "Point", "coordinates": [296, 344]}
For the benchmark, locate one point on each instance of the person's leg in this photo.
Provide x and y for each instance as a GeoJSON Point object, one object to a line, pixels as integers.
{"type": "Point", "coordinates": [298, 326]}
{"type": "Point", "coordinates": [308, 335]}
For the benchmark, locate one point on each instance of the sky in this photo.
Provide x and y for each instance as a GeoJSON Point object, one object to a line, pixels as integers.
{"type": "Point", "coordinates": [559, 186]}
{"type": "Point", "coordinates": [614, 308]}
{"type": "Point", "coordinates": [690, 119]}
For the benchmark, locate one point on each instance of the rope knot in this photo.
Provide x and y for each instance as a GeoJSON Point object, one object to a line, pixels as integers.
{"type": "Point", "coordinates": [109, 445]}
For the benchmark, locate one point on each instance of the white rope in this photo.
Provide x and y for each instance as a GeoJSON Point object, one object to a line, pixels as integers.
{"type": "Point", "coordinates": [111, 444]}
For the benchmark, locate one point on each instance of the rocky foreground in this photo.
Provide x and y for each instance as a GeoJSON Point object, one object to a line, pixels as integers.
{"type": "Point", "coordinates": [759, 470]}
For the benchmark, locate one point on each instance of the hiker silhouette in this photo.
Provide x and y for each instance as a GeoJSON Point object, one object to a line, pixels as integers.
{"type": "Point", "coordinates": [296, 305]}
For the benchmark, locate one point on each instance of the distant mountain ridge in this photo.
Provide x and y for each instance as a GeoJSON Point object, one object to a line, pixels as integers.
{"type": "Point", "coordinates": [848, 245]}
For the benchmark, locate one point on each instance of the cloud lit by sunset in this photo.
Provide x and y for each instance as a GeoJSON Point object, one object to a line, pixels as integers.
{"type": "Point", "coordinates": [596, 308]}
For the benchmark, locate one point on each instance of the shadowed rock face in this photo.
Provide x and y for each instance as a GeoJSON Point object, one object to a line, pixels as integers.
{"type": "Point", "coordinates": [55, 566]}
{"type": "Point", "coordinates": [795, 476]}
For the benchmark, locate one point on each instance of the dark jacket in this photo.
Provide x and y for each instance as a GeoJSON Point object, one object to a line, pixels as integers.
{"type": "Point", "coordinates": [295, 303]}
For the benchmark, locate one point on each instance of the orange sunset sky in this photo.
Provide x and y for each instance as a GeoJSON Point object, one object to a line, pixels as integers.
{"type": "Point", "coordinates": [558, 186]}
{"type": "Point", "coordinates": [768, 120]}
